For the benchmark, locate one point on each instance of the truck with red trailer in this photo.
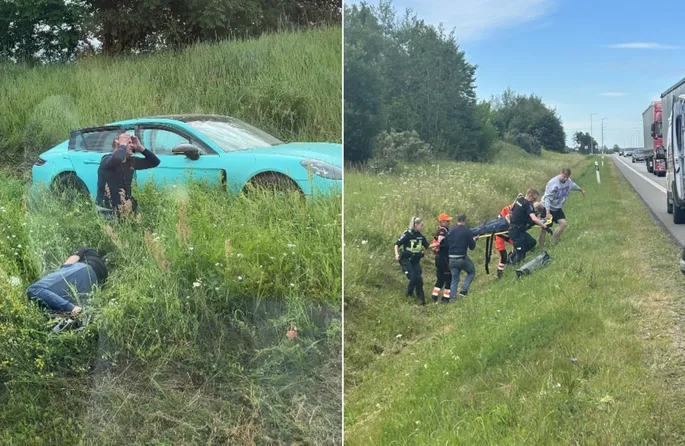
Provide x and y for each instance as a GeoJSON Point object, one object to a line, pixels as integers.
{"type": "Point", "coordinates": [655, 154]}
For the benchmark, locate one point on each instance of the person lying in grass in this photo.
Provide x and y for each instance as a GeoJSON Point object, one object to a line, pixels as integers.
{"type": "Point", "coordinates": [76, 278]}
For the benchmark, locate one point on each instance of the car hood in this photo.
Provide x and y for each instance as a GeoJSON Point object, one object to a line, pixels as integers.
{"type": "Point", "coordinates": [328, 152]}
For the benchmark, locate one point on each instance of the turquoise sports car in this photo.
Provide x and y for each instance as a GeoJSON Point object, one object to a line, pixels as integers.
{"type": "Point", "coordinates": [217, 149]}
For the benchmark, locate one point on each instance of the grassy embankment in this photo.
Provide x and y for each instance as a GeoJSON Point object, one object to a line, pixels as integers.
{"type": "Point", "coordinates": [188, 341]}
{"type": "Point", "coordinates": [584, 351]}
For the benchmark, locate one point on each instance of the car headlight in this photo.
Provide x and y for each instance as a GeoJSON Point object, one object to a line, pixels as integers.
{"type": "Point", "coordinates": [322, 169]}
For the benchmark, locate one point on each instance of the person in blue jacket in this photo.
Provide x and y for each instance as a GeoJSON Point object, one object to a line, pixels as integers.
{"type": "Point", "coordinates": [61, 290]}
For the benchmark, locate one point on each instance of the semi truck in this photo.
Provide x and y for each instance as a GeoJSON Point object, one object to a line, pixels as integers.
{"type": "Point", "coordinates": [655, 154]}
{"type": "Point", "coordinates": [673, 112]}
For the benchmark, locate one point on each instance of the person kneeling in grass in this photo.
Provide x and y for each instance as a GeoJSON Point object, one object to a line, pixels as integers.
{"type": "Point", "coordinates": [56, 292]}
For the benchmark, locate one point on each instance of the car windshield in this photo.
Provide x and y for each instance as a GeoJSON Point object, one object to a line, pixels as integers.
{"type": "Point", "coordinates": [232, 135]}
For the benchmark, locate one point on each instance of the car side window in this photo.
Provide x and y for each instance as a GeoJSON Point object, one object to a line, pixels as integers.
{"type": "Point", "coordinates": [97, 141]}
{"type": "Point", "coordinates": [162, 141]}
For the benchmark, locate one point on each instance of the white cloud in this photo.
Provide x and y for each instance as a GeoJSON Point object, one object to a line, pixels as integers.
{"type": "Point", "coordinates": [644, 46]}
{"type": "Point", "coordinates": [612, 94]}
{"type": "Point", "coordinates": [474, 20]}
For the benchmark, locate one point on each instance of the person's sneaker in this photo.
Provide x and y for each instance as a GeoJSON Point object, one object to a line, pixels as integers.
{"type": "Point", "coordinates": [463, 293]}
{"type": "Point", "coordinates": [500, 273]}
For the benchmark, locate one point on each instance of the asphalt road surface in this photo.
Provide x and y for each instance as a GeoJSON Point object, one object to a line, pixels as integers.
{"type": "Point", "coordinates": [652, 190]}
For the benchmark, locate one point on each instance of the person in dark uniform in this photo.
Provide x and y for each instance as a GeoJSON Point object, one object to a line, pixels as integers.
{"type": "Point", "coordinates": [115, 174]}
{"type": "Point", "coordinates": [523, 218]}
{"type": "Point", "coordinates": [60, 290]}
{"type": "Point", "coordinates": [501, 240]}
{"type": "Point", "coordinates": [442, 261]}
{"type": "Point", "coordinates": [412, 243]}
{"type": "Point", "coordinates": [459, 240]}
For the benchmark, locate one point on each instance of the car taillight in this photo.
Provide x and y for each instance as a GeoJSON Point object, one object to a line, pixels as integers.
{"type": "Point", "coordinates": [40, 162]}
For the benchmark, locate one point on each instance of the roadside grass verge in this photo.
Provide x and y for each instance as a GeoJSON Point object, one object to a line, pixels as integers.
{"type": "Point", "coordinates": [584, 351]}
{"type": "Point", "coordinates": [188, 342]}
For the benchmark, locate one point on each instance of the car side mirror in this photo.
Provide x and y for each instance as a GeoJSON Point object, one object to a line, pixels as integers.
{"type": "Point", "coordinates": [189, 150]}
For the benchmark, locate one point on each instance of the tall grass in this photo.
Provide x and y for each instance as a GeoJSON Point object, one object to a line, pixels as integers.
{"type": "Point", "coordinates": [288, 84]}
{"type": "Point", "coordinates": [584, 351]}
{"type": "Point", "coordinates": [188, 341]}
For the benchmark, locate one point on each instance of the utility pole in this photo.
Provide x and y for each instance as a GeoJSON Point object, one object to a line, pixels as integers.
{"type": "Point", "coordinates": [592, 143]}
{"type": "Point", "coordinates": [603, 119]}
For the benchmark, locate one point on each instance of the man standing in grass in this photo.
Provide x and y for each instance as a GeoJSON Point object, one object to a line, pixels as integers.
{"type": "Point", "coordinates": [555, 196]}
{"type": "Point", "coordinates": [115, 174]}
{"type": "Point", "coordinates": [459, 240]}
{"type": "Point", "coordinates": [57, 291]}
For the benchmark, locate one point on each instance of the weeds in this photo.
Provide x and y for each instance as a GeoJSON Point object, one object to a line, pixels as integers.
{"type": "Point", "coordinates": [567, 355]}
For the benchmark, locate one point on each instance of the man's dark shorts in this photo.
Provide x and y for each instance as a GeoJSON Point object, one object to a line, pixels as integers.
{"type": "Point", "coordinates": [556, 216]}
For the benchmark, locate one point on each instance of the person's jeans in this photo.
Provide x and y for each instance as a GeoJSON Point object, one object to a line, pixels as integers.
{"type": "Point", "coordinates": [456, 267]}
{"type": "Point", "coordinates": [49, 300]}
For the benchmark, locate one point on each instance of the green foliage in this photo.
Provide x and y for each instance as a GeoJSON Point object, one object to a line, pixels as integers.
{"type": "Point", "coordinates": [574, 354]}
{"type": "Point", "coordinates": [529, 115]}
{"type": "Point", "coordinates": [55, 30]}
{"type": "Point", "coordinates": [526, 141]}
{"type": "Point", "coordinates": [392, 147]}
{"type": "Point", "coordinates": [586, 142]}
{"type": "Point", "coordinates": [187, 343]}
{"type": "Point", "coordinates": [404, 75]}
{"type": "Point", "coordinates": [201, 292]}
{"type": "Point", "coordinates": [363, 82]}
{"type": "Point", "coordinates": [46, 30]}
{"type": "Point", "coordinates": [264, 82]}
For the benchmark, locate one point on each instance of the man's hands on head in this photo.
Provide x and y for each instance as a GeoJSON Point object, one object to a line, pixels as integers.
{"type": "Point", "coordinates": [131, 142]}
{"type": "Point", "coordinates": [137, 146]}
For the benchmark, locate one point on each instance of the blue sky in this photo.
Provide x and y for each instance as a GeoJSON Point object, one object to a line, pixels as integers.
{"type": "Point", "coordinates": [579, 56]}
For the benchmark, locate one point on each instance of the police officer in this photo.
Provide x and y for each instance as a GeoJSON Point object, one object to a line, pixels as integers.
{"type": "Point", "coordinates": [412, 243]}
{"type": "Point", "coordinates": [522, 217]}
{"type": "Point", "coordinates": [442, 261]}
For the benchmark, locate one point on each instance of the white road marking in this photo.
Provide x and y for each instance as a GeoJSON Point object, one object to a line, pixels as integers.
{"type": "Point", "coordinates": [652, 182]}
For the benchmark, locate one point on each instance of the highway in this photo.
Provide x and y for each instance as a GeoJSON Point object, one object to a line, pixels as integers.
{"type": "Point", "coordinates": [652, 190]}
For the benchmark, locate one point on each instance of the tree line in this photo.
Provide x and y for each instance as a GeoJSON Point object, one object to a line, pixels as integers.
{"type": "Point", "coordinates": [404, 77]}
{"type": "Point", "coordinates": [57, 30]}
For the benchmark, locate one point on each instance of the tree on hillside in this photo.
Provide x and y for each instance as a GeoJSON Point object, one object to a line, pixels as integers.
{"type": "Point", "coordinates": [519, 114]}
{"type": "Point", "coordinates": [53, 30]}
{"type": "Point", "coordinates": [48, 30]}
{"type": "Point", "coordinates": [585, 142]}
{"type": "Point", "coordinates": [364, 42]}
{"type": "Point", "coordinates": [426, 85]}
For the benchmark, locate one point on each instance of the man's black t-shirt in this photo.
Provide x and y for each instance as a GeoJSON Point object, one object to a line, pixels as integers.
{"type": "Point", "coordinates": [115, 175]}
{"type": "Point", "coordinates": [520, 215]}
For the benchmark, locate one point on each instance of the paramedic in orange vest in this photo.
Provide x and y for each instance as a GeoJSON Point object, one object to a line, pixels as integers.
{"type": "Point", "coordinates": [442, 260]}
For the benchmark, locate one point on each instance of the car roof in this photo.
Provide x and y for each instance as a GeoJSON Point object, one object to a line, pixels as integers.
{"type": "Point", "coordinates": [177, 118]}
